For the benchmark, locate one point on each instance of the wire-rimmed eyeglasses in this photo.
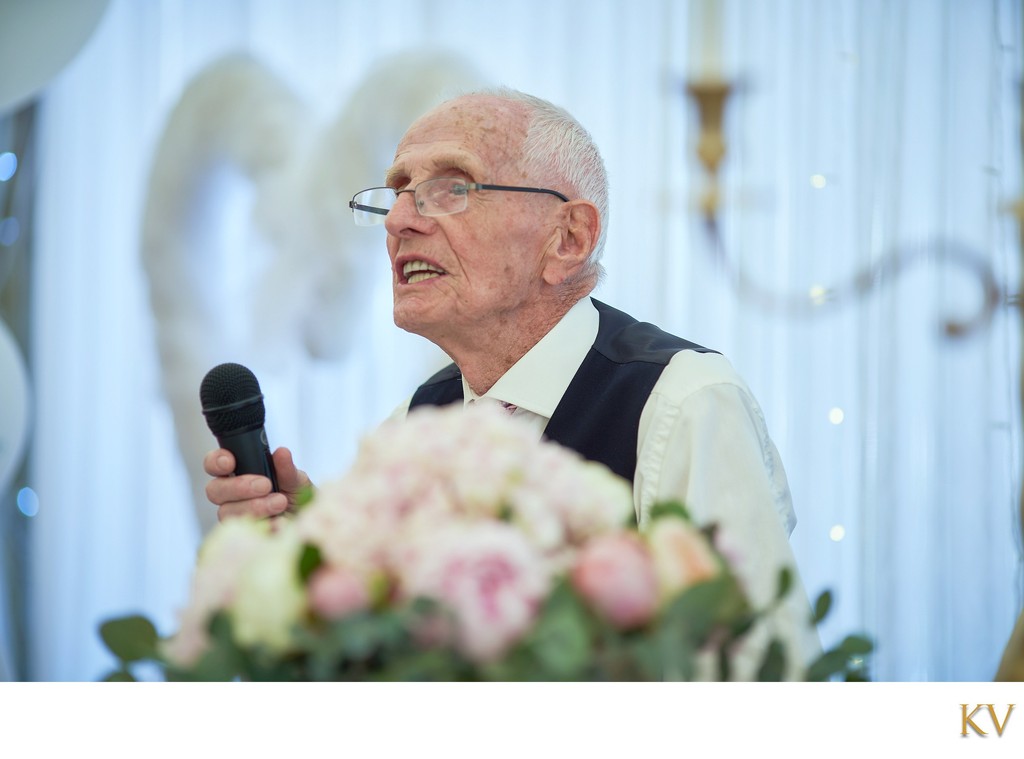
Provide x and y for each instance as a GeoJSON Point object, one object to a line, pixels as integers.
{"type": "Point", "coordinates": [434, 197]}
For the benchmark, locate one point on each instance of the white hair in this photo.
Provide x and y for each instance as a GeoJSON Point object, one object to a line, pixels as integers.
{"type": "Point", "coordinates": [557, 145]}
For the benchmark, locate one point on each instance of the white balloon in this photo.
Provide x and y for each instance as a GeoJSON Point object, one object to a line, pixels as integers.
{"type": "Point", "coordinates": [38, 38]}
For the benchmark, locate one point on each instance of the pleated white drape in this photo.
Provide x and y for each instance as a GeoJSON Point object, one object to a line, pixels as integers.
{"type": "Point", "coordinates": [862, 127]}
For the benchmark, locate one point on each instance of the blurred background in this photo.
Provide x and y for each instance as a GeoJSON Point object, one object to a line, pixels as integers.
{"type": "Point", "coordinates": [173, 185]}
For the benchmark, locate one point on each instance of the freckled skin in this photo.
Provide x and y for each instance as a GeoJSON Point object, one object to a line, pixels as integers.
{"type": "Point", "coordinates": [493, 299]}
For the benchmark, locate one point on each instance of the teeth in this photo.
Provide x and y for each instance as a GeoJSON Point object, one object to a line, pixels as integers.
{"type": "Point", "coordinates": [417, 271]}
{"type": "Point", "coordinates": [420, 276]}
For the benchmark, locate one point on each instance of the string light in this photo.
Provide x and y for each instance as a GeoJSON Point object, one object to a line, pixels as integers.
{"type": "Point", "coordinates": [836, 415]}
{"type": "Point", "coordinates": [818, 181]}
{"type": "Point", "coordinates": [28, 502]}
{"type": "Point", "coordinates": [837, 533]}
{"type": "Point", "coordinates": [8, 165]}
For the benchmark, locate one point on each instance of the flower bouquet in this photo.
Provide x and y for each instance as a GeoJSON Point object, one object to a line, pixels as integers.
{"type": "Point", "coordinates": [459, 548]}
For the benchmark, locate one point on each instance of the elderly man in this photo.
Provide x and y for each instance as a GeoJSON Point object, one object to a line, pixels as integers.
{"type": "Point", "coordinates": [495, 209]}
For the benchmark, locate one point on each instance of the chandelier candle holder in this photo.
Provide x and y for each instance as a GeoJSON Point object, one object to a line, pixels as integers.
{"type": "Point", "coordinates": [710, 96]}
{"type": "Point", "coordinates": [710, 90]}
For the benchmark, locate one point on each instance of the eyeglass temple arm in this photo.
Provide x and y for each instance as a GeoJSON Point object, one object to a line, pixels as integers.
{"type": "Point", "coordinates": [369, 209]}
{"type": "Point", "coordinates": [521, 189]}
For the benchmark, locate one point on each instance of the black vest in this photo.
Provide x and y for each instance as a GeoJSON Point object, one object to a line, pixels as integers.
{"type": "Point", "coordinates": [599, 414]}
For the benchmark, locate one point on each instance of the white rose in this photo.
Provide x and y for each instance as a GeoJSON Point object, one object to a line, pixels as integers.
{"type": "Point", "coordinates": [270, 599]}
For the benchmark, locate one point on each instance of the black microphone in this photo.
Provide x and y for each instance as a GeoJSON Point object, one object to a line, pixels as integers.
{"type": "Point", "coordinates": [234, 411]}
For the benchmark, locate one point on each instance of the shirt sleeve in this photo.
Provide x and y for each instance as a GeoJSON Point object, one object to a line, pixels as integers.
{"type": "Point", "coordinates": [401, 411]}
{"type": "Point", "coordinates": [703, 440]}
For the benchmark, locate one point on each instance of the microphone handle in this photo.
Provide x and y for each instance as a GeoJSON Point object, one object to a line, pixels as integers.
{"type": "Point", "coordinates": [252, 453]}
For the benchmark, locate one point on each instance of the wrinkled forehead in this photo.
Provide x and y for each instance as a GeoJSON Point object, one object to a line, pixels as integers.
{"type": "Point", "coordinates": [479, 136]}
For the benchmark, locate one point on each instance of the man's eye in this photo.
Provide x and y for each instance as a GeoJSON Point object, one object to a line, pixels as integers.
{"type": "Point", "coordinates": [460, 189]}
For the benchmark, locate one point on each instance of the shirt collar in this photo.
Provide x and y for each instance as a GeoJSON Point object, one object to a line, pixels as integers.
{"type": "Point", "coordinates": [538, 380]}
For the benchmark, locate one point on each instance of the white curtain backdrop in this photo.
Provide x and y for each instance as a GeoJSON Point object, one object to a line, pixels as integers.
{"type": "Point", "coordinates": [862, 127]}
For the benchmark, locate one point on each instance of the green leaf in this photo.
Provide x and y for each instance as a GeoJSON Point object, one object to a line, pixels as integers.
{"type": "Point", "coordinates": [304, 496]}
{"type": "Point", "coordinates": [670, 509]}
{"type": "Point", "coordinates": [119, 676]}
{"type": "Point", "coordinates": [216, 666]}
{"type": "Point", "coordinates": [130, 638]}
{"type": "Point", "coordinates": [822, 607]}
{"type": "Point", "coordinates": [691, 613]}
{"type": "Point", "coordinates": [826, 665]}
{"type": "Point", "coordinates": [430, 665]}
{"type": "Point", "coordinates": [742, 625]}
{"type": "Point", "coordinates": [677, 653]}
{"type": "Point", "coordinates": [647, 661]}
{"type": "Point", "coordinates": [857, 676]}
{"type": "Point", "coordinates": [785, 583]}
{"type": "Point", "coordinates": [222, 661]}
{"type": "Point", "coordinates": [560, 641]}
{"type": "Point", "coordinates": [856, 645]}
{"type": "Point", "coordinates": [702, 607]}
{"type": "Point", "coordinates": [359, 636]}
{"type": "Point", "coordinates": [773, 666]}
{"type": "Point", "coordinates": [309, 561]}
{"type": "Point", "coordinates": [724, 664]}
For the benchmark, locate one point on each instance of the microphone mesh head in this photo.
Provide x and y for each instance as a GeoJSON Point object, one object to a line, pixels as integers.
{"type": "Point", "coordinates": [231, 385]}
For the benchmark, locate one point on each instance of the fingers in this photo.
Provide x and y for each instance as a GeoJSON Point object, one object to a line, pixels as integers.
{"type": "Point", "coordinates": [250, 494]}
{"type": "Point", "coordinates": [225, 489]}
{"type": "Point", "coordinates": [245, 495]}
{"type": "Point", "coordinates": [271, 505]}
{"type": "Point", "coordinates": [219, 463]}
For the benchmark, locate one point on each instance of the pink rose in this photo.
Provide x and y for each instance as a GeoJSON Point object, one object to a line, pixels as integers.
{"type": "Point", "coordinates": [336, 592]}
{"type": "Point", "coordinates": [487, 575]}
{"type": "Point", "coordinates": [615, 574]}
{"type": "Point", "coordinates": [682, 555]}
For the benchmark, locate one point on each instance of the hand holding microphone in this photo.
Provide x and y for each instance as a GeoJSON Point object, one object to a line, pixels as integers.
{"type": "Point", "coordinates": [248, 479]}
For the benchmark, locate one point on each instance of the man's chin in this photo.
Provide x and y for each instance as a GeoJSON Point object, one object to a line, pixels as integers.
{"type": "Point", "coordinates": [412, 320]}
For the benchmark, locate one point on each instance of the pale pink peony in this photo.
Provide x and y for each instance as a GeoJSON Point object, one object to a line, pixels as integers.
{"type": "Point", "coordinates": [336, 592]}
{"type": "Point", "coordinates": [475, 463]}
{"type": "Point", "coordinates": [587, 498]}
{"type": "Point", "coordinates": [487, 575]}
{"type": "Point", "coordinates": [346, 529]}
{"type": "Point", "coordinates": [615, 574]}
{"type": "Point", "coordinates": [682, 555]}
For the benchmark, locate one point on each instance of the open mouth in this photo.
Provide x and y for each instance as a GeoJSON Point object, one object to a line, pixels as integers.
{"type": "Point", "coordinates": [418, 271]}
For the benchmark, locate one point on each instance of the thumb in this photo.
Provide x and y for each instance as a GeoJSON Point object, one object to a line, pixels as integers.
{"type": "Point", "coordinates": [292, 481]}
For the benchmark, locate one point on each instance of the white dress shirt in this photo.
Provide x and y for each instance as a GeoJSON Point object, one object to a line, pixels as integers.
{"type": "Point", "coordinates": [702, 440]}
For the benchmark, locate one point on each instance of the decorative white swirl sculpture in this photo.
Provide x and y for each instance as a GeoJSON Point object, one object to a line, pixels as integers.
{"type": "Point", "coordinates": [295, 285]}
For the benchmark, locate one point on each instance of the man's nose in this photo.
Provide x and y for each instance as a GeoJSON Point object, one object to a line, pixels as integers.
{"type": "Point", "coordinates": [405, 217]}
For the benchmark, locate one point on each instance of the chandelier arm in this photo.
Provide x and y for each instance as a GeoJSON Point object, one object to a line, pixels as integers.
{"type": "Point", "coordinates": [889, 266]}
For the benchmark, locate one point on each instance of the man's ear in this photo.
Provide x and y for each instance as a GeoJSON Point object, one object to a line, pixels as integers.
{"type": "Point", "coordinates": [574, 240]}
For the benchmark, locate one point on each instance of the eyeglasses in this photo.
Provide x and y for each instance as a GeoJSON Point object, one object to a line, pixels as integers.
{"type": "Point", "coordinates": [434, 197]}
